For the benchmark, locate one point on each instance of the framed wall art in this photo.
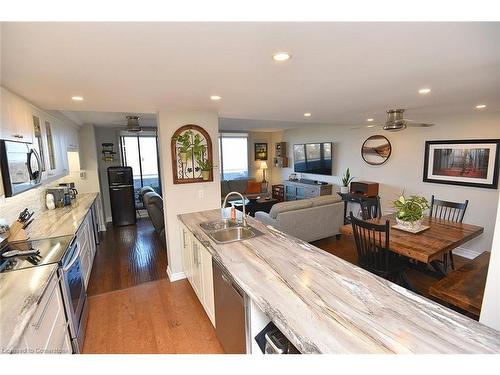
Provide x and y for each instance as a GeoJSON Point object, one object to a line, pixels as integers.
{"type": "Point", "coordinates": [192, 159]}
{"type": "Point", "coordinates": [463, 162]}
{"type": "Point", "coordinates": [376, 150]}
{"type": "Point", "coordinates": [260, 151]}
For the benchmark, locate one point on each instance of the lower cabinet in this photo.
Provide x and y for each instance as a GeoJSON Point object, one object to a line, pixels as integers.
{"type": "Point", "coordinates": [47, 332]}
{"type": "Point", "coordinates": [197, 266]}
{"type": "Point", "coordinates": [87, 246]}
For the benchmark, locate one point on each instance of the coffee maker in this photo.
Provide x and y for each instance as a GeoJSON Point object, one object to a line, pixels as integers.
{"type": "Point", "coordinates": [71, 189]}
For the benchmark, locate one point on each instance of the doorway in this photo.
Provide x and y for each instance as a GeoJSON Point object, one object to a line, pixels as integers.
{"type": "Point", "coordinates": [140, 151]}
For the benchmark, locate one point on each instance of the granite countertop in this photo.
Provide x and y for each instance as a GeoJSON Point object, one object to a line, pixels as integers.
{"type": "Point", "coordinates": [324, 304]}
{"type": "Point", "coordinates": [62, 221]}
{"type": "Point", "coordinates": [20, 293]}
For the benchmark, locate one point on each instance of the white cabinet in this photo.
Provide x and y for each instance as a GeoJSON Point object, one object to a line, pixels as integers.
{"type": "Point", "coordinates": [47, 332]}
{"type": "Point", "coordinates": [86, 243]}
{"type": "Point", "coordinates": [16, 119]}
{"type": "Point", "coordinates": [197, 266]}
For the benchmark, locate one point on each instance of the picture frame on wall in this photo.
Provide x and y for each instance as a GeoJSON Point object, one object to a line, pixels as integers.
{"type": "Point", "coordinates": [471, 163]}
{"type": "Point", "coordinates": [260, 151]}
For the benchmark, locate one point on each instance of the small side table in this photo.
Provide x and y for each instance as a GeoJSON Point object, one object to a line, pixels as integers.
{"type": "Point", "coordinates": [347, 197]}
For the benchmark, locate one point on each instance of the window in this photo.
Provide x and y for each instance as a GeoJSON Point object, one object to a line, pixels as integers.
{"type": "Point", "coordinates": [140, 153]}
{"type": "Point", "coordinates": [233, 155]}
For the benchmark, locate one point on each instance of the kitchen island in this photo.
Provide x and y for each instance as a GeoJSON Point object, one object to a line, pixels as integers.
{"type": "Point", "coordinates": [324, 304]}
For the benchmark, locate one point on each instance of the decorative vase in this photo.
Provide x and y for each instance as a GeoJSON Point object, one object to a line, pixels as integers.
{"type": "Point", "coordinates": [344, 189]}
{"type": "Point", "coordinates": [410, 225]}
{"type": "Point", "coordinates": [183, 156]}
{"type": "Point", "coordinates": [205, 175]}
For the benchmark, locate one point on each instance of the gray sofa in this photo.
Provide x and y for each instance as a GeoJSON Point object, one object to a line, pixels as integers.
{"type": "Point", "coordinates": [240, 186]}
{"type": "Point", "coordinates": [154, 206]}
{"type": "Point", "coordinates": [307, 219]}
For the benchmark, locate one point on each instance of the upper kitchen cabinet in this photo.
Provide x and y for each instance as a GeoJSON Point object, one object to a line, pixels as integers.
{"type": "Point", "coordinates": [16, 118]}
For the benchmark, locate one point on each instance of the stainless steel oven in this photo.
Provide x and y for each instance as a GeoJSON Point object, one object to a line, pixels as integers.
{"type": "Point", "coordinates": [74, 295]}
{"type": "Point", "coordinates": [21, 167]}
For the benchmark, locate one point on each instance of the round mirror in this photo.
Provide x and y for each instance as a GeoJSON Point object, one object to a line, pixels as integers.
{"type": "Point", "coordinates": [376, 150]}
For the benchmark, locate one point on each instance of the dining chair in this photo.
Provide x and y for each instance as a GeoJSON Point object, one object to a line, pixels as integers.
{"type": "Point", "coordinates": [370, 208]}
{"type": "Point", "coordinates": [372, 244]}
{"type": "Point", "coordinates": [451, 211]}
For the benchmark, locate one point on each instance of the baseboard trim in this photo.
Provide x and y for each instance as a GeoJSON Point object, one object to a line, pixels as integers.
{"type": "Point", "coordinates": [466, 253]}
{"type": "Point", "coordinates": [109, 219]}
{"type": "Point", "coordinates": [175, 276]}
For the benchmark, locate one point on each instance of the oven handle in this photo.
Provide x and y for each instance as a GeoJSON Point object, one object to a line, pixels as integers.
{"type": "Point", "coordinates": [73, 260]}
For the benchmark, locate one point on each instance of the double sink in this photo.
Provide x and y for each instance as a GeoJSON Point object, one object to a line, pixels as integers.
{"type": "Point", "coordinates": [227, 230]}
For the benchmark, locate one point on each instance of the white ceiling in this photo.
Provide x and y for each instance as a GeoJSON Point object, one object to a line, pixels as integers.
{"type": "Point", "coordinates": [341, 72]}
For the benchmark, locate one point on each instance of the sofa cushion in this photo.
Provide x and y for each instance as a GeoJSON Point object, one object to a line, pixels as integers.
{"type": "Point", "coordinates": [254, 187]}
{"type": "Point", "coordinates": [238, 185]}
{"type": "Point", "coordinates": [325, 199]}
{"type": "Point", "coordinates": [289, 206]}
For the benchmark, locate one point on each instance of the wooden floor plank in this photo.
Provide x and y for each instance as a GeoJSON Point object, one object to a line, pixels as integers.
{"type": "Point", "coordinates": [134, 308]}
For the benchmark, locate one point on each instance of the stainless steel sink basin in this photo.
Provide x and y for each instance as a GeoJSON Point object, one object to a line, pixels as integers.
{"type": "Point", "coordinates": [226, 231]}
{"type": "Point", "coordinates": [217, 225]}
{"type": "Point", "coordinates": [232, 234]}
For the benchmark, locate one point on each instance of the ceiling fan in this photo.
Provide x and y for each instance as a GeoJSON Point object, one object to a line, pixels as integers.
{"type": "Point", "coordinates": [396, 122]}
{"type": "Point", "coordinates": [133, 124]}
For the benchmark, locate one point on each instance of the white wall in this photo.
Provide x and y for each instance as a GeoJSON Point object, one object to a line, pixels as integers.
{"type": "Point", "coordinates": [490, 310]}
{"type": "Point", "coordinates": [404, 169]}
{"type": "Point", "coordinates": [183, 198]}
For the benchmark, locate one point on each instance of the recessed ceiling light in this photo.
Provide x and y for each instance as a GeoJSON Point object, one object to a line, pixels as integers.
{"type": "Point", "coordinates": [281, 56]}
{"type": "Point", "coordinates": [481, 106]}
{"type": "Point", "coordinates": [77, 98]}
{"type": "Point", "coordinates": [215, 97]}
{"type": "Point", "coordinates": [369, 119]}
{"type": "Point", "coordinates": [307, 114]}
{"type": "Point", "coordinates": [424, 91]}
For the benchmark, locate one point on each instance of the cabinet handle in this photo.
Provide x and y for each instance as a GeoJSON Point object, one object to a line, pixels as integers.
{"type": "Point", "coordinates": [18, 136]}
{"type": "Point", "coordinates": [184, 238]}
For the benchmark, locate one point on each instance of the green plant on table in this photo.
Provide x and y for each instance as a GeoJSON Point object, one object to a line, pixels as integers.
{"type": "Point", "coordinates": [410, 209]}
{"type": "Point", "coordinates": [346, 178]}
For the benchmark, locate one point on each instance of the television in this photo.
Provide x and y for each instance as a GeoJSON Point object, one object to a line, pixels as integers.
{"type": "Point", "coordinates": [314, 158]}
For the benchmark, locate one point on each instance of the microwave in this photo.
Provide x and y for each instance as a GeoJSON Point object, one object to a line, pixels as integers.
{"type": "Point", "coordinates": [21, 167]}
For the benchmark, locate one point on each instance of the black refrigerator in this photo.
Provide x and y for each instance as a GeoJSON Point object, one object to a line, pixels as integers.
{"type": "Point", "coordinates": [121, 195]}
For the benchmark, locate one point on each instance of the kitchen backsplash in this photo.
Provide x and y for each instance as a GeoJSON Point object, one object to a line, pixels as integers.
{"type": "Point", "coordinates": [34, 199]}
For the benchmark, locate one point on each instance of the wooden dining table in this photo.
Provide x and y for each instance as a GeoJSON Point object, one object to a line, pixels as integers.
{"type": "Point", "coordinates": [430, 245]}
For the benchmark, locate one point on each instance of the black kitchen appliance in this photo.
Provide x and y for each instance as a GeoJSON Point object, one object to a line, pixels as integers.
{"type": "Point", "coordinates": [121, 195]}
{"type": "Point", "coordinates": [21, 167]}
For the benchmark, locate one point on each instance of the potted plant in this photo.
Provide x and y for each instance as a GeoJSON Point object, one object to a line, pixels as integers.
{"type": "Point", "coordinates": [410, 211]}
{"type": "Point", "coordinates": [205, 166]}
{"type": "Point", "coordinates": [346, 180]}
{"type": "Point", "coordinates": [185, 145]}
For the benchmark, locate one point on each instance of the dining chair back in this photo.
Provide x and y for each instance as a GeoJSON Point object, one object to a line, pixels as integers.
{"type": "Point", "coordinates": [451, 211]}
{"type": "Point", "coordinates": [446, 210]}
{"type": "Point", "coordinates": [370, 208]}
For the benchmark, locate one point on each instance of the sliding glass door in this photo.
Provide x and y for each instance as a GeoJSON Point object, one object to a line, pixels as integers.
{"type": "Point", "coordinates": [141, 153]}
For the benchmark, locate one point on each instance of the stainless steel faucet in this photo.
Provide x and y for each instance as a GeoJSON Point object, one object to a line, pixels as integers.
{"type": "Point", "coordinates": [244, 221]}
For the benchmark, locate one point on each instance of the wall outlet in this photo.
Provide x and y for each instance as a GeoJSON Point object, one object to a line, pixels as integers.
{"type": "Point", "coordinates": [201, 194]}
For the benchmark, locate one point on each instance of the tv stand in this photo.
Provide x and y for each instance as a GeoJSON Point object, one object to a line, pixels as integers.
{"type": "Point", "coordinates": [303, 189]}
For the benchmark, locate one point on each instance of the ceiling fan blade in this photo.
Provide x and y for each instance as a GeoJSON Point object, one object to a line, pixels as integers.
{"type": "Point", "coordinates": [419, 124]}
{"type": "Point", "coordinates": [366, 126]}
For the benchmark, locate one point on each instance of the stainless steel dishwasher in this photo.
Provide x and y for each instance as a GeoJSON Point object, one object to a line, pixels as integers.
{"type": "Point", "coordinates": [230, 311]}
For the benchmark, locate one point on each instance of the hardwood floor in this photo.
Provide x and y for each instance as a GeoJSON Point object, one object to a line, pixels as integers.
{"type": "Point", "coordinates": [134, 308]}
{"type": "Point", "coordinates": [127, 256]}
{"type": "Point", "coordinates": [155, 317]}
{"type": "Point", "coordinates": [346, 249]}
